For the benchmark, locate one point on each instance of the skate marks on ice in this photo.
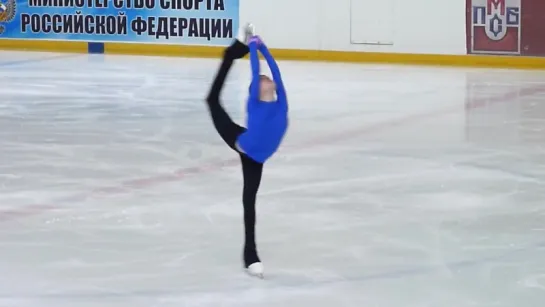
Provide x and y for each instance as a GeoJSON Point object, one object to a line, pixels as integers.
{"type": "Point", "coordinates": [284, 281]}
{"type": "Point", "coordinates": [297, 281]}
{"type": "Point", "coordinates": [212, 166]}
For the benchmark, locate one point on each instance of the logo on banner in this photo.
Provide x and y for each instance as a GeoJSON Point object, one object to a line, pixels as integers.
{"type": "Point", "coordinates": [7, 13]}
{"type": "Point", "coordinates": [496, 26]}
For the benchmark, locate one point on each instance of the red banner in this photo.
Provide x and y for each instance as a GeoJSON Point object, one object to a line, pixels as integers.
{"type": "Point", "coordinates": [506, 27]}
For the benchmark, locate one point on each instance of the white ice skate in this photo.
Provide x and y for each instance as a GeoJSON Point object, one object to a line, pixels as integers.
{"type": "Point", "coordinates": [244, 33]}
{"type": "Point", "coordinates": [256, 270]}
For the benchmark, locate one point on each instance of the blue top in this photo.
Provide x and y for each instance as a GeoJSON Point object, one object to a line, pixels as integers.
{"type": "Point", "coordinates": [267, 121]}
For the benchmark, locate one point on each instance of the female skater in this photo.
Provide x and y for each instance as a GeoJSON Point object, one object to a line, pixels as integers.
{"type": "Point", "coordinates": [267, 124]}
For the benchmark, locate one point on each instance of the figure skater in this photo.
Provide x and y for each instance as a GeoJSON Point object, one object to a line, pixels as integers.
{"type": "Point", "coordinates": [267, 122]}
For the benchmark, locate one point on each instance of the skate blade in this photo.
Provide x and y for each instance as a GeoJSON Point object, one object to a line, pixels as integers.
{"type": "Point", "coordinates": [256, 270]}
{"type": "Point", "coordinates": [258, 275]}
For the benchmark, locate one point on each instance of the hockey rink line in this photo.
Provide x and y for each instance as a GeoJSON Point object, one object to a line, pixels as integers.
{"type": "Point", "coordinates": [38, 60]}
{"type": "Point", "coordinates": [182, 173]}
{"type": "Point", "coordinates": [472, 105]}
{"type": "Point", "coordinates": [30, 209]}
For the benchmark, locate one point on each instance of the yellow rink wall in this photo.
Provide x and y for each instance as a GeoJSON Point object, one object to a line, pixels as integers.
{"type": "Point", "coordinates": [281, 54]}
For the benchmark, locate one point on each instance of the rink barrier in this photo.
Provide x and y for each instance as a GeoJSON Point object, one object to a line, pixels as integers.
{"type": "Point", "coordinates": [43, 45]}
{"type": "Point", "coordinates": [281, 54]}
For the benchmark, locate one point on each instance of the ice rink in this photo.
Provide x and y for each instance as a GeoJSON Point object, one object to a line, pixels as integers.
{"type": "Point", "coordinates": [396, 186]}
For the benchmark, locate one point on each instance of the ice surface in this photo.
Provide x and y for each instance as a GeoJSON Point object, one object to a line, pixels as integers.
{"type": "Point", "coordinates": [396, 186]}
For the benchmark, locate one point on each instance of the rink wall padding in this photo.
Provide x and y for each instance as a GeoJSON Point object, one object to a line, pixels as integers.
{"type": "Point", "coordinates": [281, 54]}
{"type": "Point", "coordinates": [163, 50]}
{"type": "Point", "coordinates": [45, 45]}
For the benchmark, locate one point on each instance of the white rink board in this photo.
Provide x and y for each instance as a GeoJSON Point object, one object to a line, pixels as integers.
{"type": "Point", "coordinates": [419, 26]}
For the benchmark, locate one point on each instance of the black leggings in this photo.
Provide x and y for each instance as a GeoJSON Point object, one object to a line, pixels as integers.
{"type": "Point", "coordinates": [229, 132]}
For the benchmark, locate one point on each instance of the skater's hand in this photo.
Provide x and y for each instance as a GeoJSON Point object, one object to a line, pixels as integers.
{"type": "Point", "coordinates": [255, 39]}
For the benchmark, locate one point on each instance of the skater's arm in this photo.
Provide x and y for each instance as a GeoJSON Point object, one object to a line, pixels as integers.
{"type": "Point", "coordinates": [254, 62]}
{"type": "Point", "coordinates": [275, 71]}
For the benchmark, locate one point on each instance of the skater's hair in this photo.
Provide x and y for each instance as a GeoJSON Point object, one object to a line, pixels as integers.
{"type": "Point", "coordinates": [267, 88]}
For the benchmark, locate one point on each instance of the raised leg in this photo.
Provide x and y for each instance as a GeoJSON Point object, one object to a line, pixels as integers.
{"type": "Point", "coordinates": [225, 126]}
